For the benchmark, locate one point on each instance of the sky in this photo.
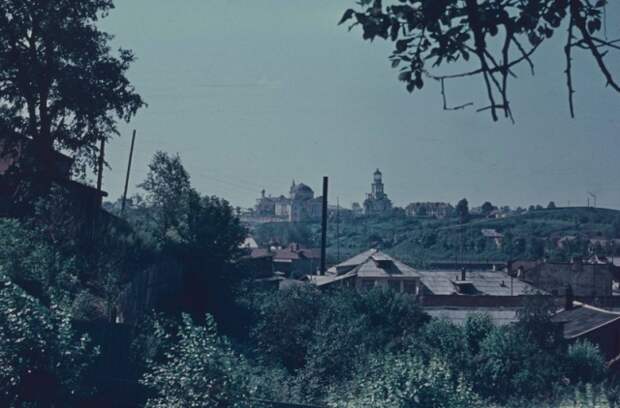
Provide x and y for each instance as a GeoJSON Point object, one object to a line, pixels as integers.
{"type": "Point", "coordinates": [253, 94]}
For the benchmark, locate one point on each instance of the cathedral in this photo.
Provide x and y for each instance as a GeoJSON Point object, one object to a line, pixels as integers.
{"type": "Point", "coordinates": [377, 202]}
{"type": "Point", "coordinates": [300, 205]}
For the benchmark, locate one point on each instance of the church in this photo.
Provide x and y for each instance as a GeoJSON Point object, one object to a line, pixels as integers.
{"type": "Point", "coordinates": [300, 205]}
{"type": "Point", "coordinates": [377, 202]}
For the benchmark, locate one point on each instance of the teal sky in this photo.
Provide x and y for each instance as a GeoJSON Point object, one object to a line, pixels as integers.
{"type": "Point", "coordinates": [253, 94]}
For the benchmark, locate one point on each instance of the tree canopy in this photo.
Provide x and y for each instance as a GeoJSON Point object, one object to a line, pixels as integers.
{"type": "Point", "coordinates": [498, 35]}
{"type": "Point", "coordinates": [60, 83]}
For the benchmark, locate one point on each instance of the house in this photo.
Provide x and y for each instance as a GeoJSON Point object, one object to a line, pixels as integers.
{"type": "Point", "coordinates": [377, 202]}
{"type": "Point", "coordinates": [490, 233]}
{"type": "Point", "coordinates": [368, 270]}
{"type": "Point", "coordinates": [291, 261]}
{"type": "Point", "coordinates": [581, 321]}
{"type": "Point", "coordinates": [87, 199]}
{"type": "Point", "coordinates": [586, 279]}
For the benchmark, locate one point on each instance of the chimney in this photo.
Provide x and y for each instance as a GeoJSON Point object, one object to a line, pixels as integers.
{"type": "Point", "coordinates": [463, 274]}
{"type": "Point", "coordinates": [569, 297]}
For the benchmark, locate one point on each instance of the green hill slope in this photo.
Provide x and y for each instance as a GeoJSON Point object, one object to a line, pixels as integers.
{"type": "Point", "coordinates": [555, 233]}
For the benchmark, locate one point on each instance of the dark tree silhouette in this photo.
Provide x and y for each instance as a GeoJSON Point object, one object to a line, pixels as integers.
{"type": "Point", "coordinates": [498, 34]}
{"type": "Point", "coordinates": [60, 83]}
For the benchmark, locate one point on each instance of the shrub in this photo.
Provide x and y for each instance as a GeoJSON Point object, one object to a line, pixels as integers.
{"type": "Point", "coordinates": [199, 369]}
{"type": "Point", "coordinates": [585, 363]}
{"type": "Point", "coordinates": [403, 381]}
{"type": "Point", "coordinates": [41, 357]}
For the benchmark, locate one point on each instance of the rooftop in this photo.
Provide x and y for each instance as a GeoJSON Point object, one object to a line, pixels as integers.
{"type": "Point", "coordinates": [583, 318]}
{"type": "Point", "coordinates": [495, 283]}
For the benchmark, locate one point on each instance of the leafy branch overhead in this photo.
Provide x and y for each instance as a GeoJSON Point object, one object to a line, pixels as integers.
{"type": "Point", "coordinates": [488, 37]}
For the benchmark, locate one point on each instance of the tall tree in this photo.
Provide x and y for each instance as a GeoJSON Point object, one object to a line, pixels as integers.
{"type": "Point", "coordinates": [497, 35]}
{"type": "Point", "coordinates": [462, 210]}
{"type": "Point", "coordinates": [60, 83]}
{"type": "Point", "coordinates": [167, 187]}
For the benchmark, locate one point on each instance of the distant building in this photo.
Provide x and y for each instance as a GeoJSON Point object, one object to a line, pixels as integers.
{"type": "Point", "coordinates": [357, 209]}
{"type": "Point", "coordinates": [491, 233]}
{"type": "Point", "coordinates": [291, 261]}
{"type": "Point", "coordinates": [435, 210]}
{"type": "Point", "coordinates": [377, 202]}
{"type": "Point", "coordinates": [300, 205]}
{"type": "Point", "coordinates": [586, 279]}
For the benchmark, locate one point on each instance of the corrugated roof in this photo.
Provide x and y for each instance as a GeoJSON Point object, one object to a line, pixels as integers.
{"type": "Point", "coordinates": [494, 283]}
{"type": "Point", "coordinates": [368, 264]}
{"type": "Point", "coordinates": [583, 318]}
{"type": "Point", "coordinates": [353, 261]}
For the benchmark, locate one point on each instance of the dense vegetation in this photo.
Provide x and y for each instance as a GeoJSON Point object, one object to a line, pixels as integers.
{"type": "Point", "coordinates": [419, 240]}
{"type": "Point", "coordinates": [222, 342]}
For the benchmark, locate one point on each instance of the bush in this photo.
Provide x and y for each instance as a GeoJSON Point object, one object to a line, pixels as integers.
{"type": "Point", "coordinates": [199, 369]}
{"type": "Point", "coordinates": [403, 381]}
{"type": "Point", "coordinates": [585, 363]}
{"type": "Point", "coordinates": [41, 357]}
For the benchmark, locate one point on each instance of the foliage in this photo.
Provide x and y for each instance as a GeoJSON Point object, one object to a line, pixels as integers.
{"type": "Point", "coordinates": [56, 254]}
{"type": "Point", "coordinates": [35, 264]}
{"type": "Point", "coordinates": [585, 363]}
{"type": "Point", "coordinates": [41, 357]}
{"type": "Point", "coordinates": [320, 336]}
{"type": "Point", "coordinates": [201, 233]}
{"type": "Point", "coordinates": [509, 363]}
{"type": "Point", "coordinates": [404, 380]}
{"type": "Point", "coordinates": [477, 328]}
{"type": "Point", "coordinates": [487, 208]}
{"type": "Point", "coordinates": [462, 210]}
{"type": "Point", "coordinates": [198, 370]}
{"type": "Point", "coordinates": [499, 36]}
{"type": "Point", "coordinates": [167, 187]}
{"type": "Point", "coordinates": [61, 84]}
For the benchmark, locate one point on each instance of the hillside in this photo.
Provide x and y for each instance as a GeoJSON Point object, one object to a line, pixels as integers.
{"type": "Point", "coordinates": [419, 240]}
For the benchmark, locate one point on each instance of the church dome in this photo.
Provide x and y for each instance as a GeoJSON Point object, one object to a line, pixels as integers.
{"type": "Point", "coordinates": [301, 192]}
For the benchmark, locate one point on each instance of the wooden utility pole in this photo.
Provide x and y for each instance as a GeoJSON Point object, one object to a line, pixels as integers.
{"type": "Point", "coordinates": [338, 229]}
{"type": "Point", "coordinates": [324, 228]}
{"type": "Point", "coordinates": [133, 140]}
{"type": "Point", "coordinates": [100, 164]}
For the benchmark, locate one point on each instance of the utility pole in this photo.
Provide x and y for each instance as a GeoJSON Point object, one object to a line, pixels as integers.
{"type": "Point", "coordinates": [338, 229]}
{"type": "Point", "coordinates": [324, 228]}
{"type": "Point", "coordinates": [100, 163]}
{"type": "Point", "coordinates": [133, 140]}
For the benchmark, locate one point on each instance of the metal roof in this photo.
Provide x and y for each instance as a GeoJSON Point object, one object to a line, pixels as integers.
{"type": "Point", "coordinates": [583, 318]}
{"type": "Point", "coordinates": [495, 283]}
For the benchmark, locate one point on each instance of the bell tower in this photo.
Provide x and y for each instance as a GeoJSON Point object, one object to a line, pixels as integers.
{"type": "Point", "coordinates": [377, 185]}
